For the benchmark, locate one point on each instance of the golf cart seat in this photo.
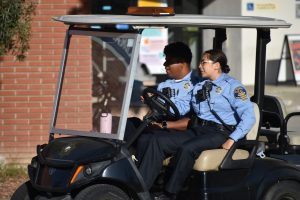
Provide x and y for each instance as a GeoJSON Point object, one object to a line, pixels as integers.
{"type": "Point", "coordinates": [274, 115]}
{"type": "Point", "coordinates": [210, 160]}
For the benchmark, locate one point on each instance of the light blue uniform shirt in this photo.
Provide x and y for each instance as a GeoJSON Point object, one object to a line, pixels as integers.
{"type": "Point", "coordinates": [229, 99]}
{"type": "Point", "coordinates": [181, 92]}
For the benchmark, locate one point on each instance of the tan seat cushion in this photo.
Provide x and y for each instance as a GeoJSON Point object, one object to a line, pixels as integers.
{"type": "Point", "coordinates": [294, 137]}
{"type": "Point", "coordinates": [210, 160]}
{"type": "Point", "coordinates": [252, 134]}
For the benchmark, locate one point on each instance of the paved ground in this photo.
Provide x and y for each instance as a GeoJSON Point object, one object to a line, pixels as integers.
{"type": "Point", "coordinates": [9, 186]}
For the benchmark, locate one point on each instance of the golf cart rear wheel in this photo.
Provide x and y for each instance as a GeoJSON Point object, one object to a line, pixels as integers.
{"type": "Point", "coordinates": [24, 192]}
{"type": "Point", "coordinates": [285, 190]}
{"type": "Point", "coordinates": [102, 192]}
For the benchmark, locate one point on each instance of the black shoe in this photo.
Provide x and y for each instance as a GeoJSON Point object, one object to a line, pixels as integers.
{"type": "Point", "coordinates": [164, 196]}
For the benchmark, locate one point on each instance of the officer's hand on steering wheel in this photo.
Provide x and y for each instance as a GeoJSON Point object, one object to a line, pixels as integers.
{"type": "Point", "coordinates": [160, 104]}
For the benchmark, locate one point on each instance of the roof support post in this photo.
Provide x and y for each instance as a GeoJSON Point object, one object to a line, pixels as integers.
{"type": "Point", "coordinates": [263, 38]}
{"type": "Point", "coordinates": [60, 81]}
{"type": "Point", "coordinates": [220, 37]}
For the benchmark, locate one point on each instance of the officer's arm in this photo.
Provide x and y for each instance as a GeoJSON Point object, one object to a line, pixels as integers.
{"type": "Point", "coordinates": [227, 145]}
{"type": "Point", "coordinates": [244, 109]}
{"type": "Point", "coordinates": [160, 86]}
{"type": "Point", "coordinates": [180, 124]}
{"type": "Point", "coordinates": [183, 101]}
{"type": "Point", "coordinates": [183, 104]}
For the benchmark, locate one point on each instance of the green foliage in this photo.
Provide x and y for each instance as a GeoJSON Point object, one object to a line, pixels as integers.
{"type": "Point", "coordinates": [12, 171]}
{"type": "Point", "coordinates": [15, 23]}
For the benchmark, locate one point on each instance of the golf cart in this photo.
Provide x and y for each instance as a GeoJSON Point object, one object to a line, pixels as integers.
{"type": "Point", "coordinates": [88, 160]}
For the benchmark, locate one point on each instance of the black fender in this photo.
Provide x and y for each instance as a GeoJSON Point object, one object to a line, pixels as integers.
{"type": "Point", "coordinates": [123, 172]}
{"type": "Point", "coordinates": [275, 176]}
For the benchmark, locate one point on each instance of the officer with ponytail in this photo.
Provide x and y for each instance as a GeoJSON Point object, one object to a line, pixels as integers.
{"type": "Point", "coordinates": [225, 115]}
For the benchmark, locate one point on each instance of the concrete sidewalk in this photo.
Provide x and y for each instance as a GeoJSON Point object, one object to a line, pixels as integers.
{"type": "Point", "coordinates": [290, 94]}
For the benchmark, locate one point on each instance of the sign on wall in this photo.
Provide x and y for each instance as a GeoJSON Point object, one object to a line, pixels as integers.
{"type": "Point", "coordinates": [289, 69]}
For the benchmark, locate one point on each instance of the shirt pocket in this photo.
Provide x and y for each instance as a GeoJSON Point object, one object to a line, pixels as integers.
{"type": "Point", "coordinates": [204, 107]}
{"type": "Point", "coordinates": [220, 104]}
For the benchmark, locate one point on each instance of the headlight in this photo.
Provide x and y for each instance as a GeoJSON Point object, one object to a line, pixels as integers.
{"type": "Point", "coordinates": [84, 173]}
{"type": "Point", "coordinates": [34, 163]}
{"type": "Point", "coordinates": [88, 171]}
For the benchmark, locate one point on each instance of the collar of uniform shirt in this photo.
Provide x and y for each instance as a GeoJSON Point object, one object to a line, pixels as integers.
{"type": "Point", "coordinates": [219, 79]}
{"type": "Point", "coordinates": [187, 77]}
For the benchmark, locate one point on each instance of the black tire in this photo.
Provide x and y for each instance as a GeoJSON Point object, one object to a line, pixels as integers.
{"type": "Point", "coordinates": [24, 192]}
{"type": "Point", "coordinates": [102, 192]}
{"type": "Point", "coordinates": [284, 190]}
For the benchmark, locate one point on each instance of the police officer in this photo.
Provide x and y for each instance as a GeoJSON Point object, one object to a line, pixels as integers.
{"type": "Point", "coordinates": [225, 115]}
{"type": "Point", "coordinates": [178, 88]}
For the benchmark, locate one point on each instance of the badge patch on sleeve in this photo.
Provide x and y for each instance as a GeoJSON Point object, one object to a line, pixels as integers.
{"type": "Point", "coordinates": [240, 93]}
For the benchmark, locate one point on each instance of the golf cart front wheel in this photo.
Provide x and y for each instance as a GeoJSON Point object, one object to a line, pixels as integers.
{"type": "Point", "coordinates": [102, 192]}
{"type": "Point", "coordinates": [285, 190]}
{"type": "Point", "coordinates": [24, 192]}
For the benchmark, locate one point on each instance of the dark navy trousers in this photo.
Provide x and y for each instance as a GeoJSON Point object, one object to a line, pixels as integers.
{"type": "Point", "coordinates": [185, 146]}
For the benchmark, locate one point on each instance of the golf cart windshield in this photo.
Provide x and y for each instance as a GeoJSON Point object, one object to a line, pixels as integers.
{"type": "Point", "coordinates": [93, 99]}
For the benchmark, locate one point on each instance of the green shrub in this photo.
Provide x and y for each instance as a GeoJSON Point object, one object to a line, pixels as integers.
{"type": "Point", "coordinates": [15, 23]}
{"type": "Point", "coordinates": [12, 171]}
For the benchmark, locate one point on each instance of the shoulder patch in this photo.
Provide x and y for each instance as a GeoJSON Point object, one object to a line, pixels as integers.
{"type": "Point", "coordinates": [240, 93]}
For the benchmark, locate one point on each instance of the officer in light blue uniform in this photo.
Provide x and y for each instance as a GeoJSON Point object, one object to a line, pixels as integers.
{"type": "Point", "coordinates": [178, 88]}
{"type": "Point", "coordinates": [228, 99]}
{"type": "Point", "coordinates": [225, 115]}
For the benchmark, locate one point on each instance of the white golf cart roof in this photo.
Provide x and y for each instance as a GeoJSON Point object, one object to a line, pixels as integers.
{"type": "Point", "coordinates": [180, 20]}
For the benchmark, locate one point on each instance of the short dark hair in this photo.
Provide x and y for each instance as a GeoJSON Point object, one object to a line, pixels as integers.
{"type": "Point", "coordinates": [219, 56]}
{"type": "Point", "coordinates": [180, 51]}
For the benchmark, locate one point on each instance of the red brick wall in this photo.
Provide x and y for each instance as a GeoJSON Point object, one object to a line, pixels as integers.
{"type": "Point", "coordinates": [27, 88]}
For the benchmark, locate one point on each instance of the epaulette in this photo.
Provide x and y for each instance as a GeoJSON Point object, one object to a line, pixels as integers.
{"type": "Point", "coordinates": [227, 81]}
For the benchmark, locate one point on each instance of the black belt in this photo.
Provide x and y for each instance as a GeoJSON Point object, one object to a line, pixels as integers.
{"type": "Point", "coordinates": [203, 122]}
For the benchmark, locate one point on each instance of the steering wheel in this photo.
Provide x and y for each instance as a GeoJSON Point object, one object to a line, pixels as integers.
{"type": "Point", "coordinates": [160, 104]}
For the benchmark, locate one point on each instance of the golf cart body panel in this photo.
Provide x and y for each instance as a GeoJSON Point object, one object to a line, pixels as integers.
{"type": "Point", "coordinates": [66, 166]}
{"type": "Point", "coordinates": [93, 159]}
